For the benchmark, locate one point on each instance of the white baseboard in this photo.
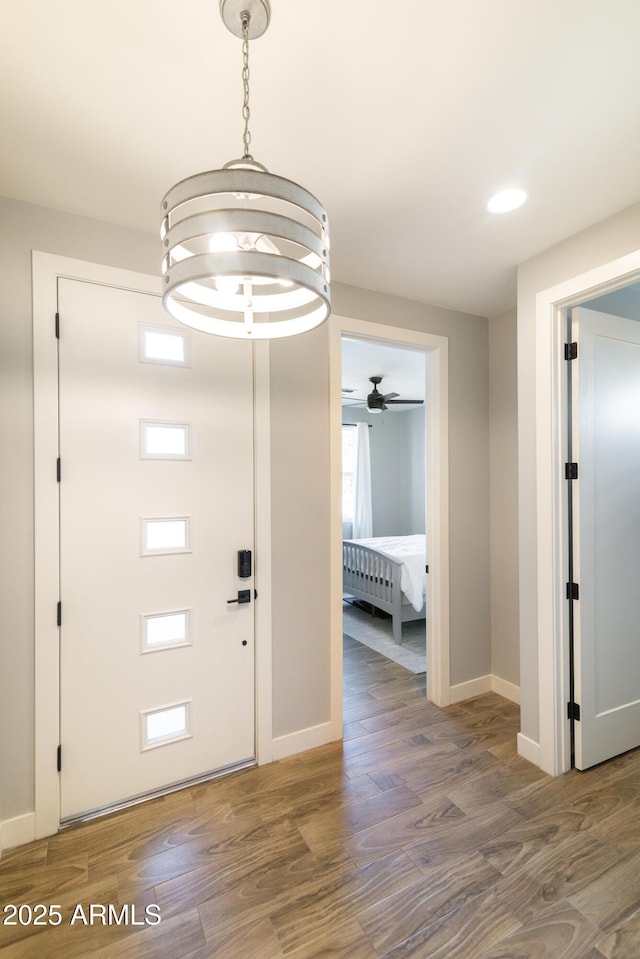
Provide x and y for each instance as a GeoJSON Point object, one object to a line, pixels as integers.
{"type": "Point", "coordinates": [304, 739]}
{"type": "Point", "coordinates": [17, 831]}
{"type": "Point", "coordinates": [485, 684]}
{"type": "Point", "coordinates": [528, 749]}
{"type": "Point", "coordinates": [473, 687]}
{"type": "Point", "coordinates": [504, 688]}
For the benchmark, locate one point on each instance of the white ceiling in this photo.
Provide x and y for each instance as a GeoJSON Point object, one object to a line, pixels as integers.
{"type": "Point", "coordinates": [402, 118]}
{"type": "Point", "coordinates": [402, 372]}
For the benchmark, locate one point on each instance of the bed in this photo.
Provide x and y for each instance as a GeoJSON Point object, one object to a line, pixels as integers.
{"type": "Point", "coordinates": [389, 573]}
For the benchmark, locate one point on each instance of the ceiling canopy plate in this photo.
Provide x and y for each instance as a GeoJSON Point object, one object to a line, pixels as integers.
{"type": "Point", "coordinates": [259, 13]}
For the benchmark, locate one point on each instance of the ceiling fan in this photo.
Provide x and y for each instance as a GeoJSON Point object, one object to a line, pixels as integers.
{"type": "Point", "coordinates": [378, 402]}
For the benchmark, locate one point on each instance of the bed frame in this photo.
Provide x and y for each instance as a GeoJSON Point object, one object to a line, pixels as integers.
{"type": "Point", "coordinates": [369, 576]}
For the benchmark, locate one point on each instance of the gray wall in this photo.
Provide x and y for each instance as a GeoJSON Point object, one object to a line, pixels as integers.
{"type": "Point", "coordinates": [300, 522]}
{"type": "Point", "coordinates": [300, 446]}
{"type": "Point", "coordinates": [625, 302]}
{"type": "Point", "coordinates": [415, 423]}
{"type": "Point", "coordinates": [503, 406]}
{"type": "Point", "coordinates": [601, 243]}
{"type": "Point", "coordinates": [397, 469]}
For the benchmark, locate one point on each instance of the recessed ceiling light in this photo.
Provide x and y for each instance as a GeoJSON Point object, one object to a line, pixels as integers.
{"type": "Point", "coordinates": [507, 200]}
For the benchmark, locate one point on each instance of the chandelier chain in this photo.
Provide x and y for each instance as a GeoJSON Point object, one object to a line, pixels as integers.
{"type": "Point", "coordinates": [246, 112]}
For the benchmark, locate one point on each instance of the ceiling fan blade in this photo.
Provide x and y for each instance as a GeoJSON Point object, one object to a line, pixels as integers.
{"type": "Point", "coordinates": [389, 396]}
{"type": "Point", "coordinates": [403, 401]}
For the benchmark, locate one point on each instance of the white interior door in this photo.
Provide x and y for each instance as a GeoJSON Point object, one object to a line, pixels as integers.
{"type": "Point", "coordinates": [606, 431]}
{"type": "Point", "coordinates": [156, 498]}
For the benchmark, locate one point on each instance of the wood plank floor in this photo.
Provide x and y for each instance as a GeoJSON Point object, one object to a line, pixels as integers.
{"type": "Point", "coordinates": [423, 836]}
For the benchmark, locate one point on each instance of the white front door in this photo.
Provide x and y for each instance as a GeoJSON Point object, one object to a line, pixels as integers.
{"type": "Point", "coordinates": [156, 498]}
{"type": "Point", "coordinates": [606, 436]}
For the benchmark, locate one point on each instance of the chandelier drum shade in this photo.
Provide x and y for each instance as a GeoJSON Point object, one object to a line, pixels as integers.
{"type": "Point", "coordinates": [245, 252]}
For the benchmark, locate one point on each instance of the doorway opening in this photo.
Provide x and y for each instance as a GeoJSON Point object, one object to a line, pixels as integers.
{"type": "Point", "coordinates": [428, 518]}
{"type": "Point", "coordinates": [384, 499]}
{"type": "Point", "coordinates": [570, 707]}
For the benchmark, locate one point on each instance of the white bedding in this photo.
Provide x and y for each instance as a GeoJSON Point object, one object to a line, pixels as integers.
{"type": "Point", "coordinates": [411, 551]}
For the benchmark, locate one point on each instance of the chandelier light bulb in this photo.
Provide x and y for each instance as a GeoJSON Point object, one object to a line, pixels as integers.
{"type": "Point", "coordinates": [227, 285]}
{"type": "Point", "coordinates": [223, 243]}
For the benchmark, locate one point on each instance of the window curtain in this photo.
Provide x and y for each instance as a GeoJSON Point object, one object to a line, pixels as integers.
{"type": "Point", "coordinates": [362, 512]}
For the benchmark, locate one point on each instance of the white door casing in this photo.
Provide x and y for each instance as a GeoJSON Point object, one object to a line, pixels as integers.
{"type": "Point", "coordinates": [47, 273]}
{"type": "Point", "coordinates": [606, 446]}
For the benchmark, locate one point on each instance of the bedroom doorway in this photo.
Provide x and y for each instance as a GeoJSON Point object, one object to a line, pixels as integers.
{"type": "Point", "coordinates": [383, 499]}
{"type": "Point", "coordinates": [390, 376]}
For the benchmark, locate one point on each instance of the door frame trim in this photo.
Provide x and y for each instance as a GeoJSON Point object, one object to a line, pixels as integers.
{"type": "Point", "coordinates": [47, 269]}
{"type": "Point", "coordinates": [551, 499]}
{"type": "Point", "coordinates": [437, 498]}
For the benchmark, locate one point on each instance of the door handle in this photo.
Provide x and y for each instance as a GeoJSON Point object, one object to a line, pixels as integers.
{"type": "Point", "coordinates": [244, 596]}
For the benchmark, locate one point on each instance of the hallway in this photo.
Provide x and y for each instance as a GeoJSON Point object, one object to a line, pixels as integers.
{"type": "Point", "coordinates": [424, 837]}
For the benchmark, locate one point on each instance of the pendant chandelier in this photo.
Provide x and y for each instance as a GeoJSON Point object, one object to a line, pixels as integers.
{"type": "Point", "coordinates": [245, 253]}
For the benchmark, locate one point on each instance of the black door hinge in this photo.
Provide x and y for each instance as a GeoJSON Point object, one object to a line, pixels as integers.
{"type": "Point", "coordinates": [573, 711]}
{"type": "Point", "coordinates": [58, 469]}
{"type": "Point", "coordinates": [570, 351]}
{"type": "Point", "coordinates": [573, 591]}
{"type": "Point", "coordinates": [571, 471]}
{"type": "Point", "coordinates": [57, 326]}
{"type": "Point", "coordinates": [59, 614]}
{"type": "Point", "coordinates": [59, 759]}
{"type": "Point", "coordinates": [426, 569]}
